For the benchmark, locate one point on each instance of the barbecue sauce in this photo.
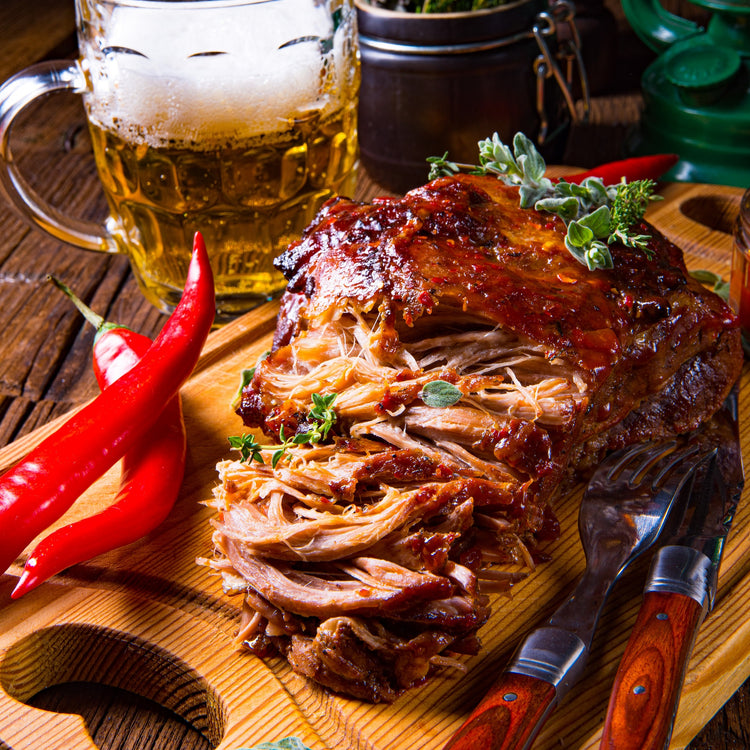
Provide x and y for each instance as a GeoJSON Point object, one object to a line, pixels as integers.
{"type": "Point", "coordinates": [465, 241]}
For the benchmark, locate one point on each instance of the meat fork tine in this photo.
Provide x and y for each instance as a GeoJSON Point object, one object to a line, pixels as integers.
{"type": "Point", "coordinates": [623, 510]}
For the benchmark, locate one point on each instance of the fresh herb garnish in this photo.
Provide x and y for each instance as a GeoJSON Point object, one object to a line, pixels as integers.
{"type": "Point", "coordinates": [719, 286]}
{"type": "Point", "coordinates": [246, 377]}
{"type": "Point", "coordinates": [712, 280]}
{"type": "Point", "coordinates": [320, 420]}
{"type": "Point", "coordinates": [628, 208]}
{"type": "Point", "coordinates": [440, 394]}
{"type": "Point", "coordinates": [248, 446]}
{"type": "Point", "coordinates": [287, 743]}
{"type": "Point", "coordinates": [595, 214]}
{"type": "Point", "coordinates": [323, 416]}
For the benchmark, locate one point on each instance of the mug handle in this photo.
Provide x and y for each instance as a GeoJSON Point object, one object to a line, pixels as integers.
{"type": "Point", "coordinates": [15, 95]}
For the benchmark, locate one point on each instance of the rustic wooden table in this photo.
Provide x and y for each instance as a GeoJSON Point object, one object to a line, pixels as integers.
{"type": "Point", "coordinates": [45, 349]}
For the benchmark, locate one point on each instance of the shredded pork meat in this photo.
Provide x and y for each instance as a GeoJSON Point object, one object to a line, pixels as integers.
{"type": "Point", "coordinates": [367, 559]}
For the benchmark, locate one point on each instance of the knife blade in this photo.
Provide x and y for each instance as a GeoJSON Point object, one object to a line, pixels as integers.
{"type": "Point", "coordinates": [679, 593]}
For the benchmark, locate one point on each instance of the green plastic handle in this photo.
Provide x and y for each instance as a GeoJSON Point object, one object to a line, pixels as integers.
{"type": "Point", "coordinates": [657, 27]}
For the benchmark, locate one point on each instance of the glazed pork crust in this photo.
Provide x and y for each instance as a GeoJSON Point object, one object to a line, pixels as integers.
{"type": "Point", "coordinates": [655, 347]}
{"type": "Point", "coordinates": [368, 561]}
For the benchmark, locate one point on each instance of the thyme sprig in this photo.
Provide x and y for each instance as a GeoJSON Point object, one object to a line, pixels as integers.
{"type": "Point", "coordinates": [320, 419]}
{"type": "Point", "coordinates": [628, 208]}
{"type": "Point", "coordinates": [595, 214]}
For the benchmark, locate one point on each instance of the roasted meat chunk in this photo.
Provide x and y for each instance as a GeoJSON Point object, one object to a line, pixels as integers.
{"type": "Point", "coordinates": [478, 369]}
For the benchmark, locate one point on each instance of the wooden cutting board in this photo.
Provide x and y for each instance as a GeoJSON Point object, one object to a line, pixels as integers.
{"type": "Point", "coordinates": [148, 619]}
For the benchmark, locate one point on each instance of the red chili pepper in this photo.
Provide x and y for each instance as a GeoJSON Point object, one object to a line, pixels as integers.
{"type": "Point", "coordinates": [650, 167]}
{"type": "Point", "coordinates": [152, 471]}
{"type": "Point", "coordinates": [40, 488]}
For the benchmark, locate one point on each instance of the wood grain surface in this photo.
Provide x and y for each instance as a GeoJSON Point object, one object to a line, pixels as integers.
{"type": "Point", "coordinates": [50, 654]}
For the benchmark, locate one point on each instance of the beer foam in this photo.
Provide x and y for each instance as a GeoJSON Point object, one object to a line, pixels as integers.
{"type": "Point", "coordinates": [188, 73]}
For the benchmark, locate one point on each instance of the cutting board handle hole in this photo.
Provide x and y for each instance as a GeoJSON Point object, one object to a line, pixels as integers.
{"type": "Point", "coordinates": [157, 727]}
{"type": "Point", "coordinates": [717, 212]}
{"type": "Point", "coordinates": [80, 653]}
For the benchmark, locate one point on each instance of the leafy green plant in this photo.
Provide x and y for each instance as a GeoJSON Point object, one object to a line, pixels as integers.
{"type": "Point", "coordinates": [287, 743]}
{"type": "Point", "coordinates": [595, 214]}
{"type": "Point", "coordinates": [246, 377]}
{"type": "Point", "coordinates": [440, 394]}
{"type": "Point", "coordinates": [320, 420]}
{"type": "Point", "coordinates": [713, 281]}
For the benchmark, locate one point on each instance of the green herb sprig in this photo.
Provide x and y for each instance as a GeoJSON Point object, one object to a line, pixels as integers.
{"type": "Point", "coordinates": [246, 377]}
{"type": "Point", "coordinates": [713, 281]}
{"type": "Point", "coordinates": [320, 420]}
{"type": "Point", "coordinates": [595, 214]}
{"type": "Point", "coordinates": [287, 743]}
{"type": "Point", "coordinates": [440, 394]}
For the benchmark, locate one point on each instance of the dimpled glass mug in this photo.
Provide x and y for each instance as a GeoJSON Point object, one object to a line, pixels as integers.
{"type": "Point", "coordinates": [236, 118]}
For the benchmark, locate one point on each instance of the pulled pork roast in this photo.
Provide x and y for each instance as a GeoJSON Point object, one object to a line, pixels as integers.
{"type": "Point", "coordinates": [367, 559]}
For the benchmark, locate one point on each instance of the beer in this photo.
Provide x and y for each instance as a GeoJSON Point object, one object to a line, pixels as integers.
{"type": "Point", "coordinates": [235, 118]}
{"type": "Point", "coordinates": [249, 198]}
{"type": "Point", "coordinates": [239, 130]}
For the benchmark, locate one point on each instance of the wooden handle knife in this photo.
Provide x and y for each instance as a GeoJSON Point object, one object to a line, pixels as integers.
{"type": "Point", "coordinates": [509, 716]}
{"type": "Point", "coordinates": [648, 682]}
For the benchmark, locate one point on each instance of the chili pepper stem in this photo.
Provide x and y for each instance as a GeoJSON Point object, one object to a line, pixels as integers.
{"type": "Point", "coordinates": [92, 317]}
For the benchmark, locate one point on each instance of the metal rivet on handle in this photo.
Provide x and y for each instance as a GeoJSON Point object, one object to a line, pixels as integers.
{"type": "Point", "coordinates": [639, 689]}
{"type": "Point", "coordinates": [510, 697]}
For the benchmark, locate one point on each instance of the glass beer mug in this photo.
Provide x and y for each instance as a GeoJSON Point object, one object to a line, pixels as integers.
{"type": "Point", "coordinates": [236, 118]}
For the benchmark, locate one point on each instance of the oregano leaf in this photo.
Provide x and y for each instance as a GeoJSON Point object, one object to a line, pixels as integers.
{"type": "Point", "coordinates": [522, 145]}
{"type": "Point", "coordinates": [579, 234]}
{"type": "Point", "coordinates": [579, 191]}
{"type": "Point", "coordinates": [597, 190]}
{"type": "Point", "coordinates": [287, 743]}
{"type": "Point", "coordinates": [598, 222]}
{"type": "Point", "coordinates": [579, 253]}
{"type": "Point", "coordinates": [530, 194]}
{"type": "Point", "coordinates": [565, 208]}
{"type": "Point", "coordinates": [715, 282]}
{"type": "Point", "coordinates": [535, 166]}
{"type": "Point", "coordinates": [440, 394]}
{"type": "Point", "coordinates": [598, 256]}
